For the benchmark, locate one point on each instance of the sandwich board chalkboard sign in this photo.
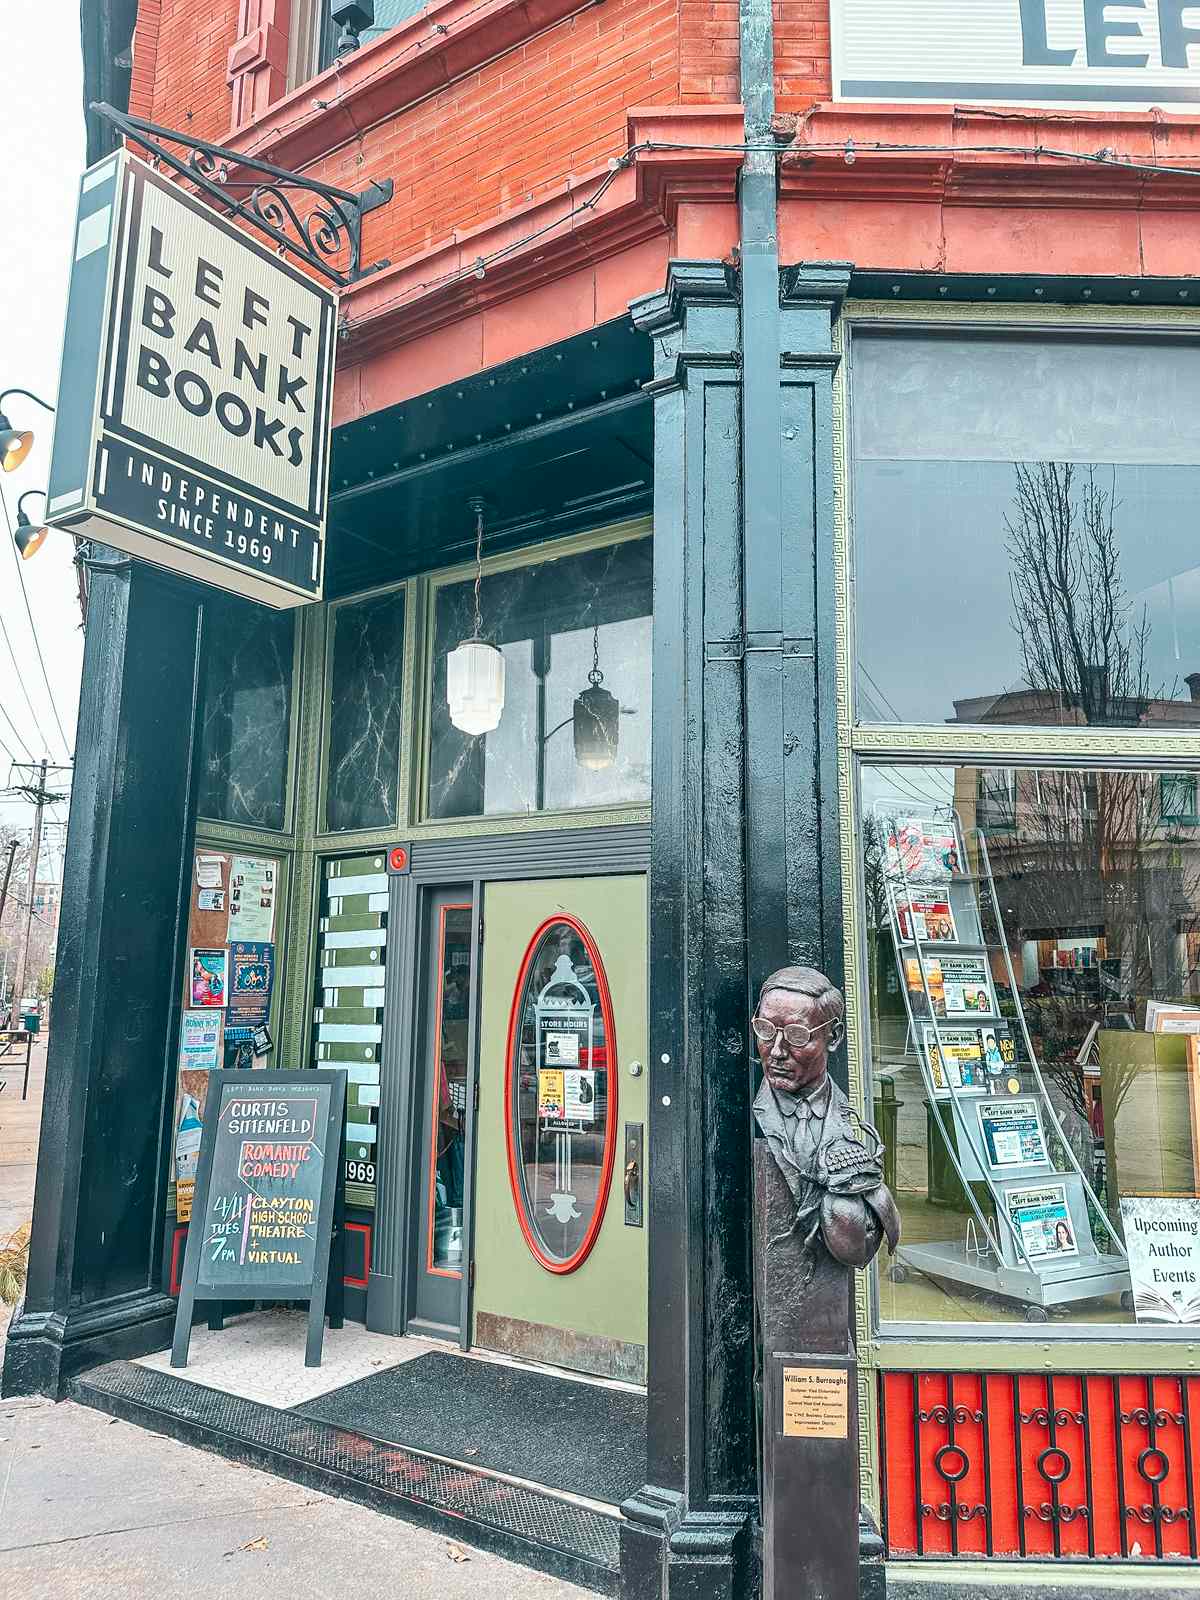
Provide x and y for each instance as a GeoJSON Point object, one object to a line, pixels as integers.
{"type": "Point", "coordinates": [266, 1192]}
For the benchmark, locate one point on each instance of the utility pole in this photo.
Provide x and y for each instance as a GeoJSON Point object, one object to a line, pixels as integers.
{"type": "Point", "coordinates": [8, 866]}
{"type": "Point", "coordinates": [36, 791]}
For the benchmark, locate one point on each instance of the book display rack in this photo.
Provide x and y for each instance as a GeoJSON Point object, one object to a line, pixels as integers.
{"type": "Point", "coordinates": [1035, 1232]}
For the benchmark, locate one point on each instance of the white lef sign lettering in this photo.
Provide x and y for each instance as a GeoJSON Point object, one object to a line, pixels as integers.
{"type": "Point", "coordinates": [1083, 53]}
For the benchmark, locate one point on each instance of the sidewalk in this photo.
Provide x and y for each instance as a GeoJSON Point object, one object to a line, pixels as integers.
{"type": "Point", "coordinates": [20, 1126]}
{"type": "Point", "coordinates": [91, 1505]}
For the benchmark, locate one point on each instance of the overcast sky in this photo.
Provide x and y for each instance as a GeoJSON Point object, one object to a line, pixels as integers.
{"type": "Point", "coordinates": [41, 157]}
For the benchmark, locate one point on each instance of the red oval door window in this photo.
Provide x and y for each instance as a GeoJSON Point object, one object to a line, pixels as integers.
{"type": "Point", "coordinates": [561, 1092]}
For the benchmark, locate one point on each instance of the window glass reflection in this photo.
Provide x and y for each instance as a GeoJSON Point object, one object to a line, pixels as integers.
{"type": "Point", "coordinates": [1015, 915]}
{"type": "Point", "coordinates": [450, 1089]}
{"type": "Point", "coordinates": [566, 627]}
{"type": "Point", "coordinates": [1023, 530]}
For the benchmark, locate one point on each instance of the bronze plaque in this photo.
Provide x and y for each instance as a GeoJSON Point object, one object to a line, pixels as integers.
{"type": "Point", "coordinates": [816, 1403]}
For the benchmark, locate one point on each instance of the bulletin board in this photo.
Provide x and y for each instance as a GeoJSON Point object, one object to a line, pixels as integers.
{"type": "Point", "coordinates": [229, 989]}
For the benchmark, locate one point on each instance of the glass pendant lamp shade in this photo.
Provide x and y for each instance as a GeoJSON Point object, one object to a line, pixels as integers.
{"type": "Point", "coordinates": [475, 668]}
{"type": "Point", "coordinates": [475, 686]}
{"type": "Point", "coordinates": [597, 721]}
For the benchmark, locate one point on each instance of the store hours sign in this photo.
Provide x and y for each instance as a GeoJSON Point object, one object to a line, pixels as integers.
{"type": "Point", "coordinates": [194, 404]}
{"type": "Point", "coordinates": [1100, 54]}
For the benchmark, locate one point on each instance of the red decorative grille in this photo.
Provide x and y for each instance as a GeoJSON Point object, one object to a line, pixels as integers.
{"type": "Point", "coordinates": [1048, 1467]}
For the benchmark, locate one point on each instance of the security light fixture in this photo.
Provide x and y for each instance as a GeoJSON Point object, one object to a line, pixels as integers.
{"type": "Point", "coordinates": [28, 536]}
{"type": "Point", "coordinates": [16, 443]}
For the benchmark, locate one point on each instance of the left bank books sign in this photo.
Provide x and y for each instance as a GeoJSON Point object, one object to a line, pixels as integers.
{"type": "Point", "coordinates": [194, 402]}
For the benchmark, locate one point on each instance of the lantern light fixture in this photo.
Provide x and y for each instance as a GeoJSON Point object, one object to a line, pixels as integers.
{"type": "Point", "coordinates": [475, 667]}
{"type": "Point", "coordinates": [16, 443]}
{"type": "Point", "coordinates": [596, 718]}
{"type": "Point", "coordinates": [28, 536]}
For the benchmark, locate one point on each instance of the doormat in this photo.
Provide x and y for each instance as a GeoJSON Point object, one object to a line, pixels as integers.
{"type": "Point", "coordinates": [574, 1436]}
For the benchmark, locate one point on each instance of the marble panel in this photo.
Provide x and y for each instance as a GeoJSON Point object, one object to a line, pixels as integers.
{"type": "Point", "coordinates": [365, 713]}
{"type": "Point", "coordinates": [250, 654]}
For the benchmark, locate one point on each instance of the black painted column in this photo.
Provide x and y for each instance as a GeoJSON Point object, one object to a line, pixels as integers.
{"type": "Point", "coordinates": [745, 854]}
{"type": "Point", "coordinates": [688, 1534]}
{"type": "Point", "coordinates": [94, 1287]}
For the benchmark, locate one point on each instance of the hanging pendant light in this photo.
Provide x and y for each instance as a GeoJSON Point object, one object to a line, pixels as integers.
{"type": "Point", "coordinates": [597, 718]}
{"type": "Point", "coordinates": [475, 668]}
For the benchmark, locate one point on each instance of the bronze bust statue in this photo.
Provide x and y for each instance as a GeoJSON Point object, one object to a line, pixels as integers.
{"type": "Point", "coordinates": [830, 1159]}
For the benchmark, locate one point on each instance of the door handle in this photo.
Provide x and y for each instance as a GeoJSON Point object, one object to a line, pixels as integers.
{"type": "Point", "coordinates": [632, 1175]}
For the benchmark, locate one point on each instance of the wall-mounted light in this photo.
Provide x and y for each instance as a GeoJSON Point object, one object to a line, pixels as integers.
{"type": "Point", "coordinates": [16, 443]}
{"type": "Point", "coordinates": [29, 536]}
{"type": "Point", "coordinates": [597, 718]}
{"type": "Point", "coordinates": [475, 668]}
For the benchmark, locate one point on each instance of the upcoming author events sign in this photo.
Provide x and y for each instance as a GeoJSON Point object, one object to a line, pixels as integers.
{"type": "Point", "coordinates": [1083, 53]}
{"type": "Point", "coordinates": [194, 402]}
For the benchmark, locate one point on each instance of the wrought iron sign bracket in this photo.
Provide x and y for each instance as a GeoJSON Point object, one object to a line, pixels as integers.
{"type": "Point", "coordinates": [261, 194]}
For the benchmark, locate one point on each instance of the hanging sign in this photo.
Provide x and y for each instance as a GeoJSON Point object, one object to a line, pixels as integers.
{"type": "Point", "coordinates": [194, 402]}
{"type": "Point", "coordinates": [1020, 52]}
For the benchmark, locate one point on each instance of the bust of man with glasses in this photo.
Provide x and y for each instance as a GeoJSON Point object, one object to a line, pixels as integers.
{"type": "Point", "coordinates": [830, 1159]}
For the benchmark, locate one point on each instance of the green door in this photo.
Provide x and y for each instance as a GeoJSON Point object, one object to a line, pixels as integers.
{"type": "Point", "coordinates": [559, 1246]}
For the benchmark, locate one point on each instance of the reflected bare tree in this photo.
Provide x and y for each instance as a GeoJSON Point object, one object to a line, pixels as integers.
{"type": "Point", "coordinates": [1079, 640]}
{"type": "Point", "coordinates": [1088, 851]}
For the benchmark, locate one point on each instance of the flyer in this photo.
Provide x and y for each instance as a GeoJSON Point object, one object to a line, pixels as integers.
{"type": "Point", "coordinates": [1042, 1221]}
{"type": "Point", "coordinates": [922, 850]}
{"type": "Point", "coordinates": [955, 1059]}
{"type": "Point", "coordinates": [926, 917]}
{"type": "Point", "coordinates": [200, 1041]}
{"type": "Point", "coordinates": [209, 984]}
{"type": "Point", "coordinates": [966, 985]}
{"type": "Point", "coordinates": [580, 1090]}
{"type": "Point", "coordinates": [562, 1049]}
{"type": "Point", "coordinates": [1162, 1238]}
{"type": "Point", "coordinates": [252, 974]}
{"type": "Point", "coordinates": [1012, 1132]}
{"type": "Point", "coordinates": [551, 1094]}
{"type": "Point", "coordinates": [252, 900]}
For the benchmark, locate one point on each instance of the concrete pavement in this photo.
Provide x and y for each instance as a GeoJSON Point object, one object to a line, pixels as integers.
{"type": "Point", "coordinates": [90, 1505]}
{"type": "Point", "coordinates": [93, 1506]}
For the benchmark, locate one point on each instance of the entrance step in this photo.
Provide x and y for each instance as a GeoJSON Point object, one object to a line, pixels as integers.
{"type": "Point", "coordinates": [550, 1531]}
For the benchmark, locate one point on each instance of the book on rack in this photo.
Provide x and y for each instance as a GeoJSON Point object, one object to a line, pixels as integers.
{"type": "Point", "coordinates": [923, 917]}
{"type": "Point", "coordinates": [922, 850]}
{"type": "Point", "coordinates": [1042, 1221]}
{"type": "Point", "coordinates": [959, 986]}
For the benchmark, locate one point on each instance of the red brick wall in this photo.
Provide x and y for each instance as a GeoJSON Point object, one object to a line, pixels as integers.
{"type": "Point", "coordinates": [514, 129]}
{"type": "Point", "coordinates": [802, 67]}
{"type": "Point", "coordinates": [490, 141]}
{"type": "Point", "coordinates": [190, 90]}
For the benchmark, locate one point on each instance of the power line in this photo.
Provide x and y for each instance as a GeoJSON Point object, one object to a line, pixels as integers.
{"type": "Point", "coordinates": [21, 681]}
{"type": "Point", "coordinates": [15, 734]}
{"type": "Point", "coordinates": [33, 629]}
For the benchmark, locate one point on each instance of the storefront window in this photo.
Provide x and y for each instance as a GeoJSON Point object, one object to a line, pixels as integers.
{"type": "Point", "coordinates": [365, 713]}
{"type": "Point", "coordinates": [247, 714]}
{"type": "Point", "coordinates": [1024, 521]}
{"type": "Point", "coordinates": [561, 1094]}
{"type": "Point", "coordinates": [1033, 1020]}
{"type": "Point", "coordinates": [564, 626]}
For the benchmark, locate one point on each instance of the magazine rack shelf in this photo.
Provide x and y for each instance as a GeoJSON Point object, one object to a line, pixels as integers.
{"type": "Point", "coordinates": [1038, 1247]}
